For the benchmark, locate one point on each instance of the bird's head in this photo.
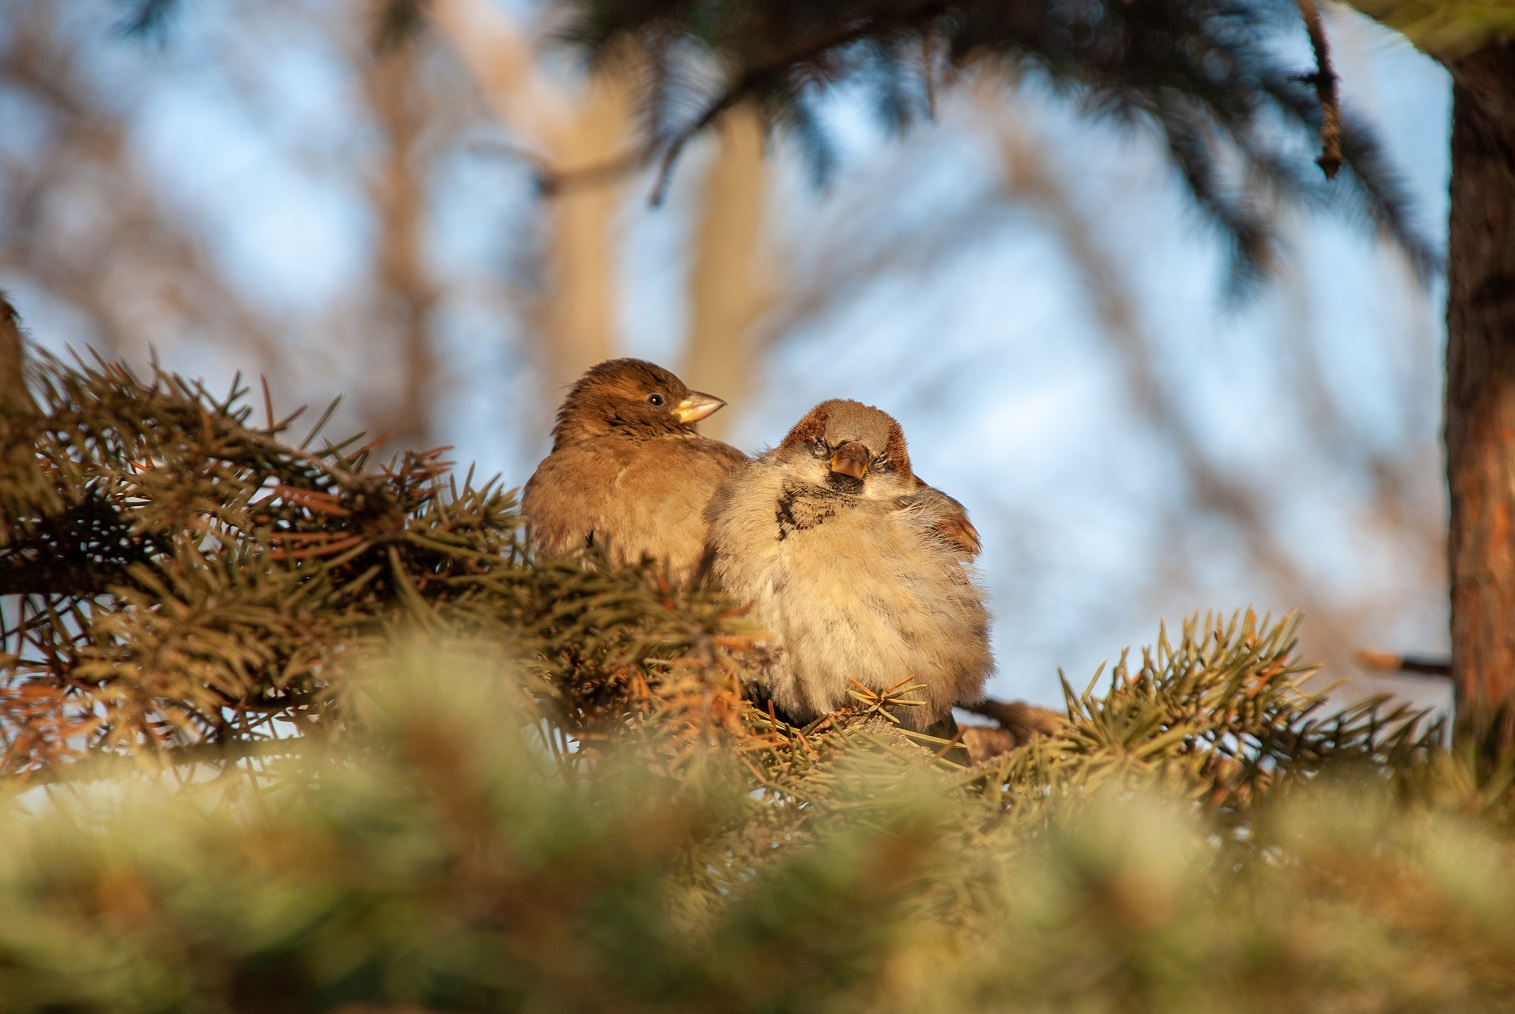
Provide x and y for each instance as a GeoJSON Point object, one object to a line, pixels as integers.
{"type": "Point", "coordinates": [849, 447]}
{"type": "Point", "coordinates": [631, 397]}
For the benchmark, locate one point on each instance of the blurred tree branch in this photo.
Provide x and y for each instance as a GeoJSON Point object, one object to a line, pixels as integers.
{"type": "Point", "coordinates": [731, 283]}
{"type": "Point", "coordinates": [568, 129]}
{"type": "Point", "coordinates": [1245, 502]}
{"type": "Point", "coordinates": [398, 191]}
{"type": "Point", "coordinates": [141, 261]}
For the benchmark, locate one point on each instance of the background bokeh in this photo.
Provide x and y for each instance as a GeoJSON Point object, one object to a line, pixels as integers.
{"type": "Point", "coordinates": [256, 189]}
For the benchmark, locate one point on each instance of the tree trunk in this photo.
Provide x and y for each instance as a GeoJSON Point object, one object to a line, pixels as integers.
{"type": "Point", "coordinates": [730, 281]}
{"type": "Point", "coordinates": [1480, 394]}
{"type": "Point", "coordinates": [407, 296]}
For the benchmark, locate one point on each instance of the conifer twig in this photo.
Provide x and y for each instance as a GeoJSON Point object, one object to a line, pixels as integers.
{"type": "Point", "coordinates": [1388, 661]}
{"type": "Point", "coordinates": [1326, 90]}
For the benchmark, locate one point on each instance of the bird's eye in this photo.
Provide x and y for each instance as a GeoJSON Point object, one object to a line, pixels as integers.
{"type": "Point", "coordinates": [655, 399]}
{"type": "Point", "coordinates": [819, 447]}
{"type": "Point", "coordinates": [883, 464]}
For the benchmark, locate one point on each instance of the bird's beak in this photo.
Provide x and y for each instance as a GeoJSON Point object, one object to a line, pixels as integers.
{"type": "Point", "coordinates": [696, 407]}
{"type": "Point", "coordinates": [851, 459]}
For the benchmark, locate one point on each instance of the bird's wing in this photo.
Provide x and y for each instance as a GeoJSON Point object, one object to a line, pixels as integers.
{"type": "Point", "coordinates": [946, 518]}
{"type": "Point", "coordinates": [569, 495]}
{"type": "Point", "coordinates": [724, 455]}
{"type": "Point", "coordinates": [661, 496]}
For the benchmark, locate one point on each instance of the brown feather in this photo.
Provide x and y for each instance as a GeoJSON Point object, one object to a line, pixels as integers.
{"type": "Point", "coordinates": [856, 579]}
{"type": "Point", "coordinates": [625, 474]}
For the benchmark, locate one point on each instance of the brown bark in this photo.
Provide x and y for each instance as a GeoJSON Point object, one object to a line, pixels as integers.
{"type": "Point", "coordinates": [1480, 394]}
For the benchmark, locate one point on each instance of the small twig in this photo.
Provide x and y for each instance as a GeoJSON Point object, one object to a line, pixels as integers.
{"type": "Point", "coordinates": [268, 402]}
{"type": "Point", "coordinates": [928, 71]}
{"type": "Point", "coordinates": [1023, 721]}
{"type": "Point", "coordinates": [1325, 81]}
{"type": "Point", "coordinates": [381, 439]}
{"type": "Point", "coordinates": [1387, 661]}
{"type": "Point", "coordinates": [773, 718]}
{"type": "Point", "coordinates": [957, 737]}
{"type": "Point", "coordinates": [825, 723]}
{"type": "Point", "coordinates": [556, 182]}
{"type": "Point", "coordinates": [713, 112]}
{"type": "Point", "coordinates": [755, 772]}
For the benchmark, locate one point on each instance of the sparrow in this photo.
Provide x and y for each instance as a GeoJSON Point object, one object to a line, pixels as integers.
{"type": "Point", "coordinates": [859, 569]}
{"type": "Point", "coordinates": [13, 393]}
{"type": "Point", "coordinates": [628, 470]}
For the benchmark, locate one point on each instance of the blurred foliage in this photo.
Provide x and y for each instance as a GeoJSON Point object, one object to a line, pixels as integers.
{"type": "Point", "coordinates": [444, 859]}
{"type": "Point", "coordinates": [1208, 79]}
{"type": "Point", "coordinates": [286, 733]}
{"type": "Point", "coordinates": [1444, 28]}
{"type": "Point", "coordinates": [1237, 117]}
{"type": "Point", "coordinates": [175, 580]}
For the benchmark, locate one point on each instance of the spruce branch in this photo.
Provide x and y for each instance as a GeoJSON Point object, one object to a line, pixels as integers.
{"type": "Point", "coordinates": [782, 67]}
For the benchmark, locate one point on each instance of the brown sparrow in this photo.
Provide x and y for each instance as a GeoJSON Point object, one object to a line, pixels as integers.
{"type": "Point", "coordinates": [13, 392]}
{"type": "Point", "coordinates": [856, 567]}
{"type": "Point", "coordinates": [627, 470]}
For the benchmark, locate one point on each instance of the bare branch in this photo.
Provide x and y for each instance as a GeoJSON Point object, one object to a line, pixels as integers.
{"type": "Point", "coordinates": [1326, 82]}
{"type": "Point", "coordinates": [1389, 662]}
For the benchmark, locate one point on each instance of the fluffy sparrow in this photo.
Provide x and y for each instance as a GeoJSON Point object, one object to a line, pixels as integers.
{"type": "Point", "coordinates": [627, 470]}
{"type": "Point", "coordinates": [856, 567]}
